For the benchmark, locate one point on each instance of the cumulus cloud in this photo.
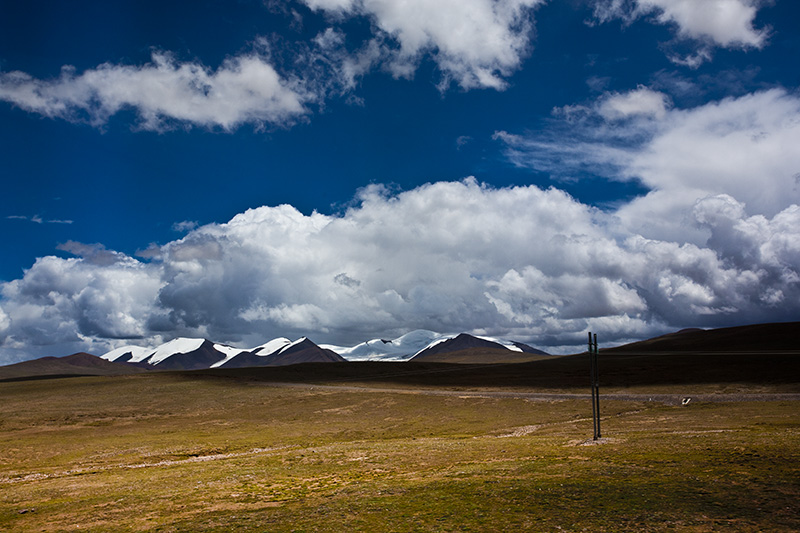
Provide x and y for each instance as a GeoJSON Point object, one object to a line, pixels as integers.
{"type": "Point", "coordinates": [5, 322]}
{"type": "Point", "coordinates": [738, 146]}
{"type": "Point", "coordinates": [76, 304]}
{"type": "Point", "coordinates": [725, 23]}
{"type": "Point", "coordinates": [244, 89]}
{"type": "Point", "coordinates": [523, 262]}
{"type": "Point", "coordinates": [475, 43]}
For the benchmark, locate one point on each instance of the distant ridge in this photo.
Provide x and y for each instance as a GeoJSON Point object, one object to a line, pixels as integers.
{"type": "Point", "coordinates": [77, 364]}
{"type": "Point", "coordinates": [772, 337]}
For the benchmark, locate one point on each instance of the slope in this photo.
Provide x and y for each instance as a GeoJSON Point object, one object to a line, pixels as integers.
{"type": "Point", "coordinates": [78, 364]}
{"type": "Point", "coordinates": [466, 348]}
{"type": "Point", "coordinates": [781, 336]}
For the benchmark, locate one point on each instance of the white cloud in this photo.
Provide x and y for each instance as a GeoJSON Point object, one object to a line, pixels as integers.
{"type": "Point", "coordinates": [462, 141]}
{"type": "Point", "coordinates": [244, 89]}
{"type": "Point", "coordinates": [62, 306]}
{"type": "Point", "coordinates": [5, 323]}
{"type": "Point", "coordinates": [184, 226]}
{"type": "Point", "coordinates": [727, 22]}
{"type": "Point", "coordinates": [708, 23]}
{"type": "Point", "coordinates": [476, 43]}
{"type": "Point", "coordinates": [743, 147]}
{"type": "Point", "coordinates": [38, 219]}
{"type": "Point", "coordinates": [642, 101]}
{"type": "Point", "coordinates": [331, 5]}
{"type": "Point", "coordinates": [344, 68]}
{"type": "Point", "coordinates": [523, 262]}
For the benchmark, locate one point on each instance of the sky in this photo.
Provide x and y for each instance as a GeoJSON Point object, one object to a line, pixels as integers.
{"type": "Point", "coordinates": [354, 169]}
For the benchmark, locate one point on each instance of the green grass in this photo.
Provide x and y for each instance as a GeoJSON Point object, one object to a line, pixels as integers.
{"type": "Point", "coordinates": [170, 452]}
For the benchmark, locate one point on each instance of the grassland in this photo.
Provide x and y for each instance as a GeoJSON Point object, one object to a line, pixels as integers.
{"type": "Point", "coordinates": [200, 452]}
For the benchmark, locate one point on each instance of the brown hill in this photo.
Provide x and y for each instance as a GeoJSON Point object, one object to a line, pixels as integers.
{"type": "Point", "coordinates": [466, 348]}
{"type": "Point", "coordinates": [78, 364]}
{"type": "Point", "coordinates": [780, 371]}
{"type": "Point", "coordinates": [775, 337]}
{"type": "Point", "coordinates": [302, 352]}
{"type": "Point", "coordinates": [480, 355]}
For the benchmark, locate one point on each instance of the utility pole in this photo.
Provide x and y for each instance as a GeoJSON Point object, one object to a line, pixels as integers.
{"type": "Point", "coordinates": [595, 383]}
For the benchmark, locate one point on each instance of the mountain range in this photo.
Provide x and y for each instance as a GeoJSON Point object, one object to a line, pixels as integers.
{"type": "Point", "coordinates": [420, 345]}
{"type": "Point", "coordinates": [195, 354]}
{"type": "Point", "coordinates": [198, 354]}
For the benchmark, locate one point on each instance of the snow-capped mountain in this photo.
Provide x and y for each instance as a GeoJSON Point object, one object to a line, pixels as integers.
{"type": "Point", "coordinates": [465, 341]}
{"type": "Point", "coordinates": [282, 352]}
{"type": "Point", "coordinates": [399, 349]}
{"type": "Point", "coordinates": [414, 343]}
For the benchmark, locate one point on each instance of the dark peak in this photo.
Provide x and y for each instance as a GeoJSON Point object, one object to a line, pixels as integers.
{"type": "Point", "coordinates": [302, 344]}
{"type": "Point", "coordinates": [462, 341]}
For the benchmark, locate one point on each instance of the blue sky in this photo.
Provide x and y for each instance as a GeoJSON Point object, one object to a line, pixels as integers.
{"type": "Point", "coordinates": [350, 169]}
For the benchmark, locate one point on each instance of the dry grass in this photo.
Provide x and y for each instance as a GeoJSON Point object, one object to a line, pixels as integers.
{"type": "Point", "coordinates": [187, 453]}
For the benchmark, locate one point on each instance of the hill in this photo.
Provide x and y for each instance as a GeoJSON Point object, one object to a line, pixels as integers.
{"type": "Point", "coordinates": [482, 356]}
{"type": "Point", "coordinates": [78, 364]}
{"type": "Point", "coordinates": [773, 337]}
{"type": "Point", "coordinates": [466, 348]}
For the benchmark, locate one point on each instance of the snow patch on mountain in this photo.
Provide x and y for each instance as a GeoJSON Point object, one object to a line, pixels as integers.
{"type": "Point", "coordinates": [138, 353]}
{"type": "Point", "coordinates": [271, 347]}
{"type": "Point", "coordinates": [175, 346]}
{"type": "Point", "coordinates": [507, 344]}
{"type": "Point", "coordinates": [264, 350]}
{"type": "Point", "coordinates": [291, 345]}
{"type": "Point", "coordinates": [228, 351]}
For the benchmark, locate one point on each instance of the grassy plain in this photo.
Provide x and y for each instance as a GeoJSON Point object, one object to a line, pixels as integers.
{"type": "Point", "coordinates": [200, 452]}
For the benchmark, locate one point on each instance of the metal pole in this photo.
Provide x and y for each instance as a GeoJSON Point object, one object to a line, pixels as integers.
{"type": "Point", "coordinates": [597, 387]}
{"type": "Point", "coordinates": [591, 384]}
